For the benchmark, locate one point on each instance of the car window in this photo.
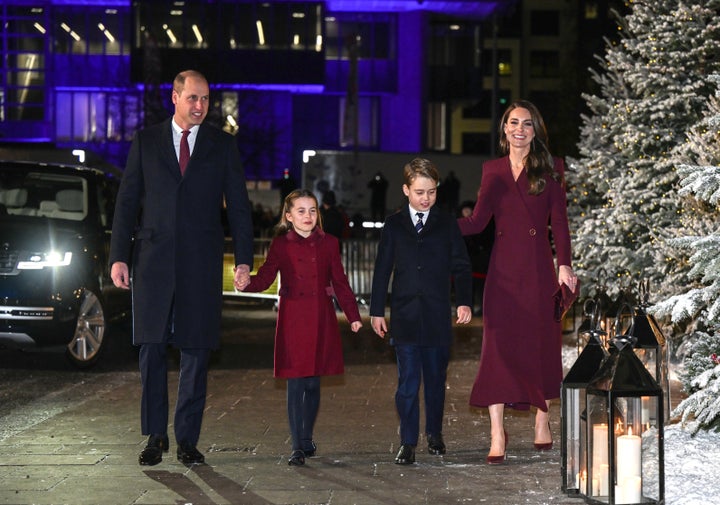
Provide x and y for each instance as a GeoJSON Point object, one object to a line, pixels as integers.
{"type": "Point", "coordinates": [44, 195]}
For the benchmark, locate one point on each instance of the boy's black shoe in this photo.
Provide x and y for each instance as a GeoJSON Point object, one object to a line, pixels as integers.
{"type": "Point", "coordinates": [406, 455]}
{"type": "Point", "coordinates": [436, 445]}
{"type": "Point", "coordinates": [189, 455]}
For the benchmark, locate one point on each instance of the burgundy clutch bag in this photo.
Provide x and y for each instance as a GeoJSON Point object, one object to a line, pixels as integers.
{"type": "Point", "coordinates": [564, 298]}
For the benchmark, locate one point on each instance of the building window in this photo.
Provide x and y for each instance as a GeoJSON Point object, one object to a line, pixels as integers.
{"type": "Point", "coordinates": [437, 126]}
{"type": "Point", "coordinates": [86, 116]}
{"type": "Point", "coordinates": [476, 143]}
{"type": "Point", "coordinates": [24, 52]}
{"type": "Point", "coordinates": [371, 33]}
{"type": "Point", "coordinates": [359, 124]}
{"type": "Point", "coordinates": [229, 25]}
{"type": "Point", "coordinates": [454, 44]}
{"type": "Point", "coordinates": [90, 31]}
{"type": "Point", "coordinates": [545, 23]}
{"type": "Point", "coordinates": [482, 108]}
{"type": "Point", "coordinates": [544, 64]}
{"type": "Point", "coordinates": [504, 62]}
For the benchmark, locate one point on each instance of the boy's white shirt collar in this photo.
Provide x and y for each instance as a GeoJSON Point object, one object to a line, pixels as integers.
{"type": "Point", "coordinates": [413, 214]}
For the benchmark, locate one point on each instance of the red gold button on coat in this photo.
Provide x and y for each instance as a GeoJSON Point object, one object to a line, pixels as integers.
{"type": "Point", "coordinates": [532, 232]}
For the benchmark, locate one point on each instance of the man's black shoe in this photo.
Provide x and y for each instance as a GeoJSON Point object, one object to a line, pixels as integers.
{"type": "Point", "coordinates": [406, 455]}
{"type": "Point", "coordinates": [189, 455]}
{"type": "Point", "coordinates": [152, 454]}
{"type": "Point", "coordinates": [436, 445]}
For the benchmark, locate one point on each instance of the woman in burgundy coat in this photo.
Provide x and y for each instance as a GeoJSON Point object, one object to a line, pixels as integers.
{"type": "Point", "coordinates": [521, 359]}
{"type": "Point", "coordinates": [307, 337]}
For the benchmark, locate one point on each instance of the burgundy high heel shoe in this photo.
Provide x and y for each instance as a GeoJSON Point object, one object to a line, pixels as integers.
{"type": "Point", "coordinates": [545, 446]}
{"type": "Point", "coordinates": [499, 460]}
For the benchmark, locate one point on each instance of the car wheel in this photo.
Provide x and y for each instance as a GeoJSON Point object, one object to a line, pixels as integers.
{"type": "Point", "coordinates": [87, 341]}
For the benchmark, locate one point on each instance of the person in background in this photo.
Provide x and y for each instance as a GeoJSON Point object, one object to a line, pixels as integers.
{"type": "Point", "coordinates": [333, 222]}
{"type": "Point", "coordinates": [177, 175]}
{"type": "Point", "coordinates": [422, 250]}
{"type": "Point", "coordinates": [378, 186]}
{"type": "Point", "coordinates": [521, 359]}
{"type": "Point", "coordinates": [307, 336]}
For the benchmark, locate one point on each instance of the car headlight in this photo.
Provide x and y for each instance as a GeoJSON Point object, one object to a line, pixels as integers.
{"type": "Point", "coordinates": [38, 261]}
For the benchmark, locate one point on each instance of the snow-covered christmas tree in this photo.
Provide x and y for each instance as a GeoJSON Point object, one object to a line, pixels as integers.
{"type": "Point", "coordinates": [697, 308]}
{"type": "Point", "coordinates": [653, 87]}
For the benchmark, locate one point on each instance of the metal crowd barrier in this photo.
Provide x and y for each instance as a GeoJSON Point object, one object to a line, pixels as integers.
{"type": "Point", "coordinates": [358, 258]}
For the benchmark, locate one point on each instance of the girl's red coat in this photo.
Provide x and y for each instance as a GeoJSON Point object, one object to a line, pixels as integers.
{"type": "Point", "coordinates": [307, 337]}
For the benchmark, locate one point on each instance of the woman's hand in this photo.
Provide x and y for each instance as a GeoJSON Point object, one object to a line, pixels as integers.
{"type": "Point", "coordinates": [355, 326]}
{"type": "Point", "coordinates": [567, 276]}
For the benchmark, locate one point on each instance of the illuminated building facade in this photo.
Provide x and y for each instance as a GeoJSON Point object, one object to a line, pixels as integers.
{"type": "Point", "coordinates": [395, 75]}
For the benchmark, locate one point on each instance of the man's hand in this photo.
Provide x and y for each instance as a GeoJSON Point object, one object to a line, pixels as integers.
{"type": "Point", "coordinates": [242, 277]}
{"type": "Point", "coordinates": [464, 314]}
{"type": "Point", "coordinates": [120, 275]}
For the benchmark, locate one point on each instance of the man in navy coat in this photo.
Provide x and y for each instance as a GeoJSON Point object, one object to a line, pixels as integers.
{"type": "Point", "coordinates": [422, 249]}
{"type": "Point", "coordinates": [168, 229]}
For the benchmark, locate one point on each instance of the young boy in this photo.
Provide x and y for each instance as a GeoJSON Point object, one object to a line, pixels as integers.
{"type": "Point", "coordinates": [422, 248]}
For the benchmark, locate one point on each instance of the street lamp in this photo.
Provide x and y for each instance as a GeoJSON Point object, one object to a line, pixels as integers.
{"type": "Point", "coordinates": [573, 413]}
{"type": "Point", "coordinates": [625, 449]}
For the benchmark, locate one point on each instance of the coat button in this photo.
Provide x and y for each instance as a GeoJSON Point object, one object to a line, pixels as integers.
{"type": "Point", "coordinates": [532, 232]}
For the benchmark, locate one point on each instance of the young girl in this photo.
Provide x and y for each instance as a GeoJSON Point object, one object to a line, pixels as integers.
{"type": "Point", "coordinates": [307, 337]}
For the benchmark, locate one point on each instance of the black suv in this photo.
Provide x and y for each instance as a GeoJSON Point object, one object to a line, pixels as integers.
{"type": "Point", "coordinates": [55, 287]}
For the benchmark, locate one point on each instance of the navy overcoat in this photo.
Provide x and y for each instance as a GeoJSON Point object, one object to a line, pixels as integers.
{"type": "Point", "coordinates": [423, 267]}
{"type": "Point", "coordinates": [175, 251]}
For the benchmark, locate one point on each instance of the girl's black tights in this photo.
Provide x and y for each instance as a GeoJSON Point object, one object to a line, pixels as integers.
{"type": "Point", "coordinates": [303, 403]}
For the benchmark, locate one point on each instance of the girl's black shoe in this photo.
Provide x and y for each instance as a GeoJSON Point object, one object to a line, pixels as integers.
{"type": "Point", "coordinates": [297, 458]}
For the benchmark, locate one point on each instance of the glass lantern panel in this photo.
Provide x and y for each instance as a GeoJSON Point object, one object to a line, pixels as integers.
{"type": "Point", "coordinates": [637, 450]}
{"type": "Point", "coordinates": [595, 483]}
{"type": "Point", "coordinates": [574, 423]}
{"type": "Point", "coordinates": [648, 357]}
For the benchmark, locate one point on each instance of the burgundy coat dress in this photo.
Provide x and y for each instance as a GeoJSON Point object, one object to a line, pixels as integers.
{"type": "Point", "coordinates": [521, 359]}
{"type": "Point", "coordinates": [307, 336]}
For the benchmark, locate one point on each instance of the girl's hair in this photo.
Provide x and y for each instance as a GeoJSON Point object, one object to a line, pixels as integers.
{"type": "Point", "coordinates": [284, 225]}
{"type": "Point", "coordinates": [539, 162]}
{"type": "Point", "coordinates": [420, 167]}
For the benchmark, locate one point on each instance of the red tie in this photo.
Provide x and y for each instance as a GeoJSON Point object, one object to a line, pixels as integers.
{"type": "Point", "coordinates": [184, 151]}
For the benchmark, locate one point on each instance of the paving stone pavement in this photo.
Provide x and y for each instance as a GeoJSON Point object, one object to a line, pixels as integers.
{"type": "Point", "coordinates": [80, 445]}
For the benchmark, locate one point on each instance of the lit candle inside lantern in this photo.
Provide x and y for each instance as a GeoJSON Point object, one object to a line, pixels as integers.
{"type": "Point", "coordinates": [582, 482]}
{"type": "Point", "coordinates": [600, 444]}
{"type": "Point", "coordinates": [632, 489]}
{"type": "Point", "coordinates": [619, 496]}
{"type": "Point", "coordinates": [628, 456]}
{"type": "Point", "coordinates": [600, 454]}
{"type": "Point", "coordinates": [604, 480]}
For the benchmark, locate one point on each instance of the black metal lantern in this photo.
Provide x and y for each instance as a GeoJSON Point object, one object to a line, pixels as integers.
{"type": "Point", "coordinates": [603, 300]}
{"type": "Point", "coordinates": [650, 344]}
{"type": "Point", "coordinates": [587, 325]}
{"type": "Point", "coordinates": [625, 431]}
{"type": "Point", "coordinates": [573, 414]}
{"type": "Point", "coordinates": [621, 306]}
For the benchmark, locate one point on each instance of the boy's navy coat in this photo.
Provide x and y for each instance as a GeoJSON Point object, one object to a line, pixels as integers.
{"type": "Point", "coordinates": [423, 266]}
